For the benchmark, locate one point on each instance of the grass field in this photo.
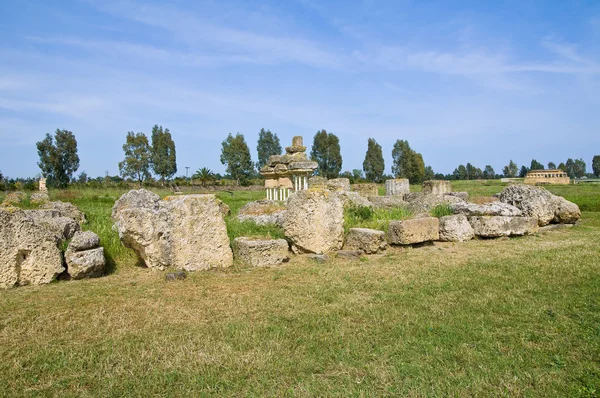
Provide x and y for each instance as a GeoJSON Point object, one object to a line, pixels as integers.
{"type": "Point", "coordinates": [509, 317]}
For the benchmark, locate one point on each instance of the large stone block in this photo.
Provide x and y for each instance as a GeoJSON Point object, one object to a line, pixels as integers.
{"type": "Point", "coordinates": [455, 228]}
{"type": "Point", "coordinates": [260, 252]}
{"type": "Point", "coordinates": [29, 253]}
{"type": "Point", "coordinates": [338, 184]}
{"type": "Point", "coordinates": [39, 197]}
{"type": "Point", "coordinates": [317, 182]}
{"type": "Point", "coordinates": [185, 232]}
{"type": "Point", "coordinates": [488, 209]}
{"type": "Point", "coordinates": [263, 212]}
{"type": "Point", "coordinates": [62, 227]}
{"type": "Point", "coordinates": [397, 187]}
{"type": "Point", "coordinates": [417, 230]}
{"type": "Point", "coordinates": [66, 209]}
{"type": "Point", "coordinates": [370, 241]}
{"type": "Point", "coordinates": [539, 203]}
{"type": "Point", "coordinates": [366, 190]}
{"type": "Point", "coordinates": [497, 226]}
{"type": "Point", "coordinates": [84, 240]}
{"type": "Point", "coordinates": [85, 264]}
{"type": "Point", "coordinates": [437, 187]}
{"type": "Point", "coordinates": [314, 221]}
{"type": "Point", "coordinates": [388, 202]}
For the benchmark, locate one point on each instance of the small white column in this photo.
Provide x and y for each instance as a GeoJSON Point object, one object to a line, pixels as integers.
{"type": "Point", "coordinates": [305, 183]}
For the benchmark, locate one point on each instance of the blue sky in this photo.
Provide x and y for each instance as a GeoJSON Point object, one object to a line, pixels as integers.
{"type": "Point", "coordinates": [463, 81]}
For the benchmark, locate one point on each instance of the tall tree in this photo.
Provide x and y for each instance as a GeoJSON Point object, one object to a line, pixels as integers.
{"type": "Point", "coordinates": [429, 174]}
{"type": "Point", "coordinates": [164, 160]}
{"type": "Point", "coordinates": [595, 166]}
{"type": "Point", "coordinates": [204, 175]}
{"type": "Point", "coordinates": [523, 172]}
{"type": "Point", "coordinates": [58, 157]}
{"type": "Point", "coordinates": [570, 167]}
{"type": "Point", "coordinates": [138, 155]}
{"type": "Point", "coordinates": [460, 173]}
{"type": "Point", "coordinates": [374, 165]}
{"type": "Point", "coordinates": [268, 144]}
{"type": "Point", "coordinates": [235, 154]}
{"type": "Point", "coordinates": [489, 173]}
{"type": "Point", "coordinates": [535, 165]}
{"type": "Point", "coordinates": [326, 152]}
{"type": "Point", "coordinates": [511, 170]}
{"type": "Point", "coordinates": [407, 163]}
{"type": "Point", "coordinates": [551, 166]}
{"type": "Point", "coordinates": [579, 168]}
{"type": "Point", "coordinates": [562, 167]}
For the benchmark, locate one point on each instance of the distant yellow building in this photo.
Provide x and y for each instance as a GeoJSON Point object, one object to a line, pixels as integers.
{"type": "Point", "coordinates": [541, 177]}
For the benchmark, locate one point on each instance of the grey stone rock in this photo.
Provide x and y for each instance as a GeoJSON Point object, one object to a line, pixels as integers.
{"type": "Point", "coordinates": [461, 195]}
{"type": "Point", "coordinates": [260, 252]}
{"type": "Point", "coordinates": [29, 253]}
{"type": "Point", "coordinates": [352, 199]}
{"type": "Point", "coordinates": [39, 197]}
{"type": "Point", "coordinates": [455, 228]}
{"type": "Point", "coordinates": [422, 202]}
{"type": "Point", "coordinates": [366, 240]}
{"type": "Point", "coordinates": [85, 264]}
{"type": "Point", "coordinates": [66, 209]}
{"type": "Point", "coordinates": [488, 209]}
{"type": "Point", "coordinates": [397, 187]}
{"type": "Point", "coordinates": [62, 227]}
{"type": "Point", "coordinates": [263, 212]}
{"type": "Point", "coordinates": [84, 240]}
{"type": "Point", "coordinates": [497, 226]}
{"type": "Point", "coordinates": [388, 202]}
{"type": "Point", "coordinates": [349, 254]}
{"type": "Point", "coordinates": [338, 184]}
{"type": "Point", "coordinates": [417, 230]}
{"type": "Point", "coordinates": [319, 258]}
{"type": "Point", "coordinates": [436, 187]}
{"type": "Point", "coordinates": [176, 276]}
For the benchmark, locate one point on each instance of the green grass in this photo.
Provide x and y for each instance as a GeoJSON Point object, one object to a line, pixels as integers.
{"type": "Point", "coordinates": [366, 217]}
{"type": "Point", "coordinates": [441, 210]}
{"type": "Point", "coordinates": [514, 317]}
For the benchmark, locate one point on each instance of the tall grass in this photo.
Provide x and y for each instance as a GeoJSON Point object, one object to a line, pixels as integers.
{"type": "Point", "coordinates": [366, 217]}
{"type": "Point", "coordinates": [441, 210]}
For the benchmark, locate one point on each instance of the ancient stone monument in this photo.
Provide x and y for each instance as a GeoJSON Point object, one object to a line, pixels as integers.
{"type": "Point", "coordinates": [284, 173]}
{"type": "Point", "coordinates": [42, 185]}
{"type": "Point", "coordinates": [398, 186]}
{"type": "Point", "coordinates": [437, 187]}
{"type": "Point", "coordinates": [543, 177]}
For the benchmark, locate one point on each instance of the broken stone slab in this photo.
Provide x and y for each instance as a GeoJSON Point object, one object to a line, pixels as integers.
{"type": "Point", "coordinates": [423, 202]}
{"type": "Point", "coordinates": [455, 228]}
{"type": "Point", "coordinates": [317, 182]}
{"type": "Point", "coordinates": [488, 209]}
{"type": "Point", "coordinates": [366, 190]}
{"type": "Point", "coordinates": [84, 240]}
{"type": "Point", "coordinates": [85, 264]}
{"type": "Point", "coordinates": [303, 165]}
{"type": "Point", "coordinates": [263, 212]}
{"type": "Point", "coordinates": [66, 209]}
{"type": "Point", "coordinates": [29, 253]}
{"type": "Point", "coordinates": [185, 232]}
{"type": "Point", "coordinates": [397, 187]}
{"type": "Point", "coordinates": [388, 202]}
{"type": "Point", "coordinates": [39, 197]}
{"type": "Point", "coordinates": [366, 240]}
{"type": "Point", "coordinates": [438, 187]}
{"type": "Point", "coordinates": [260, 252]}
{"type": "Point", "coordinates": [461, 195]}
{"type": "Point", "coordinates": [497, 226]}
{"type": "Point", "coordinates": [349, 254]}
{"type": "Point", "coordinates": [176, 276]}
{"type": "Point", "coordinates": [314, 221]}
{"type": "Point", "coordinates": [62, 227]}
{"type": "Point", "coordinates": [417, 230]}
{"type": "Point", "coordinates": [540, 203]}
{"type": "Point", "coordinates": [338, 184]}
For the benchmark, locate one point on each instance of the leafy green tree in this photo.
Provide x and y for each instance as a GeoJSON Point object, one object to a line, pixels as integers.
{"type": "Point", "coordinates": [268, 144]}
{"type": "Point", "coordinates": [58, 157]}
{"type": "Point", "coordinates": [523, 172]}
{"type": "Point", "coordinates": [551, 166]}
{"type": "Point", "coordinates": [235, 154]}
{"type": "Point", "coordinates": [579, 168]}
{"type": "Point", "coordinates": [511, 170]}
{"type": "Point", "coordinates": [164, 159]}
{"type": "Point", "coordinates": [138, 155]}
{"type": "Point", "coordinates": [570, 168]}
{"type": "Point", "coordinates": [429, 174]}
{"type": "Point", "coordinates": [407, 163]}
{"type": "Point", "coordinates": [595, 166]}
{"type": "Point", "coordinates": [358, 175]}
{"type": "Point", "coordinates": [82, 178]}
{"type": "Point", "coordinates": [489, 173]}
{"type": "Point", "coordinates": [460, 173]}
{"type": "Point", "coordinates": [535, 165]}
{"type": "Point", "coordinates": [374, 165]}
{"type": "Point", "coordinates": [204, 175]}
{"type": "Point", "coordinates": [326, 152]}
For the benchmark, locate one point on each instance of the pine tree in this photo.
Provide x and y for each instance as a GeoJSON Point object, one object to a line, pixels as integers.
{"type": "Point", "coordinates": [374, 165]}
{"type": "Point", "coordinates": [58, 157]}
{"type": "Point", "coordinates": [535, 165]}
{"type": "Point", "coordinates": [235, 154]}
{"type": "Point", "coordinates": [164, 160]}
{"type": "Point", "coordinates": [138, 157]}
{"type": "Point", "coordinates": [268, 144]}
{"type": "Point", "coordinates": [326, 152]}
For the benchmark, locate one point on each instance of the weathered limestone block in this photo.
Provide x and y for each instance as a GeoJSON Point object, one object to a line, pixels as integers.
{"type": "Point", "coordinates": [488, 209]}
{"type": "Point", "coordinates": [461, 195]}
{"type": "Point", "coordinates": [263, 212]}
{"type": "Point", "coordinates": [66, 209]}
{"type": "Point", "coordinates": [185, 232]}
{"type": "Point", "coordinates": [308, 166]}
{"type": "Point", "coordinates": [85, 264]}
{"type": "Point", "coordinates": [62, 227]}
{"type": "Point", "coordinates": [370, 241]}
{"type": "Point", "coordinates": [338, 184]}
{"type": "Point", "coordinates": [397, 187]}
{"type": "Point", "coordinates": [29, 254]}
{"type": "Point", "coordinates": [314, 221]}
{"type": "Point", "coordinates": [417, 230]}
{"type": "Point", "coordinates": [39, 197]}
{"type": "Point", "coordinates": [455, 228]}
{"type": "Point", "coordinates": [539, 203]}
{"type": "Point", "coordinates": [437, 187]}
{"type": "Point", "coordinates": [388, 202]}
{"type": "Point", "coordinates": [317, 182]}
{"type": "Point", "coordinates": [366, 190]}
{"type": "Point", "coordinates": [260, 252]}
{"type": "Point", "coordinates": [352, 199]}
{"type": "Point", "coordinates": [496, 226]}
{"type": "Point", "coordinates": [84, 240]}
{"type": "Point", "coordinates": [421, 202]}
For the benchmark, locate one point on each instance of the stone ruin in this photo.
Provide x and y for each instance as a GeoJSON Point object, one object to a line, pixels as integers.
{"type": "Point", "coordinates": [42, 185]}
{"type": "Point", "coordinates": [286, 173]}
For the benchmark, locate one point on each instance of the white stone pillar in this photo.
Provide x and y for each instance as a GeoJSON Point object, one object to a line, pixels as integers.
{"type": "Point", "coordinates": [305, 183]}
